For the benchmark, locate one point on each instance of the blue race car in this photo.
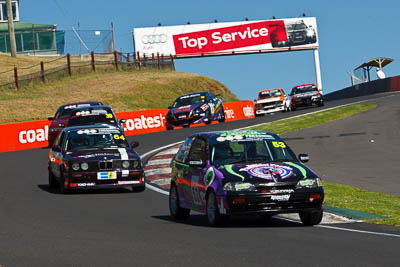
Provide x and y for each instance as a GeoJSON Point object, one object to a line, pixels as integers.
{"type": "Point", "coordinates": [241, 173]}
{"type": "Point", "coordinates": [195, 108]}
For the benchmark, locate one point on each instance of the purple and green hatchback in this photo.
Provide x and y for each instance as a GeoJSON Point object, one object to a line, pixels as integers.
{"type": "Point", "coordinates": [243, 173]}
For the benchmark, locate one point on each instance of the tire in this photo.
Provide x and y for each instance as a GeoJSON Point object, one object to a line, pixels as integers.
{"type": "Point", "coordinates": [177, 213]}
{"type": "Point", "coordinates": [214, 218]}
{"type": "Point", "coordinates": [169, 128]}
{"type": "Point", "coordinates": [222, 116]}
{"type": "Point", "coordinates": [293, 108]}
{"type": "Point", "coordinates": [52, 180]}
{"type": "Point", "coordinates": [61, 186]}
{"type": "Point", "coordinates": [320, 104]}
{"type": "Point", "coordinates": [311, 217]}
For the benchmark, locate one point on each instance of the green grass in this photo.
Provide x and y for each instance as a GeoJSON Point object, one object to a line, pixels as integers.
{"type": "Point", "coordinates": [306, 121]}
{"type": "Point", "coordinates": [338, 195]}
{"type": "Point", "coordinates": [349, 197]}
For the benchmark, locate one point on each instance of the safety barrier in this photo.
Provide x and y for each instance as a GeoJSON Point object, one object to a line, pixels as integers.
{"type": "Point", "coordinates": [368, 88]}
{"type": "Point", "coordinates": [33, 134]}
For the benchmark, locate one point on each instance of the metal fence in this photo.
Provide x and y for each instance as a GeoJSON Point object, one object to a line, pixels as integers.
{"type": "Point", "coordinates": [68, 65]}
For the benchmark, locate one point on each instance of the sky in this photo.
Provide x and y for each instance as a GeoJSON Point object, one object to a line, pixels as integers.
{"type": "Point", "coordinates": [350, 32]}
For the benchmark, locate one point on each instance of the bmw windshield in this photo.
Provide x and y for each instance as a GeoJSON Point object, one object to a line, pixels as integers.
{"type": "Point", "coordinates": [189, 100]}
{"type": "Point", "coordinates": [249, 148]}
{"type": "Point", "coordinates": [268, 94]}
{"type": "Point", "coordinates": [95, 138]}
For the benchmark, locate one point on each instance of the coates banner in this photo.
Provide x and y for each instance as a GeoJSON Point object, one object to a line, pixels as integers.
{"type": "Point", "coordinates": [228, 37]}
{"type": "Point", "coordinates": [33, 134]}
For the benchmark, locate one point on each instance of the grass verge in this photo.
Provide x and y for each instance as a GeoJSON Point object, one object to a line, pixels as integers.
{"type": "Point", "coordinates": [350, 197]}
{"type": "Point", "coordinates": [123, 90]}
{"type": "Point", "coordinates": [338, 195]}
{"type": "Point", "coordinates": [307, 121]}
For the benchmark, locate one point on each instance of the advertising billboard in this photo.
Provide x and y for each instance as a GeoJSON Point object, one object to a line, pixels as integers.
{"type": "Point", "coordinates": [192, 40]}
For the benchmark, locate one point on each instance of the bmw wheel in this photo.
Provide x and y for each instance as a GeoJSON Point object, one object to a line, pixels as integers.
{"type": "Point", "coordinates": [177, 213]}
{"type": "Point", "coordinates": [52, 180]}
{"type": "Point", "coordinates": [311, 217]}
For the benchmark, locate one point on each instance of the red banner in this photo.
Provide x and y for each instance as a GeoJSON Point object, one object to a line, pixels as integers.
{"type": "Point", "coordinates": [33, 134]}
{"type": "Point", "coordinates": [229, 38]}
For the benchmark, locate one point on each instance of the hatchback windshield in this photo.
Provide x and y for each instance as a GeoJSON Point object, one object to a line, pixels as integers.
{"type": "Point", "coordinates": [250, 150]}
{"type": "Point", "coordinates": [304, 89]}
{"type": "Point", "coordinates": [95, 138]}
{"type": "Point", "coordinates": [189, 100]}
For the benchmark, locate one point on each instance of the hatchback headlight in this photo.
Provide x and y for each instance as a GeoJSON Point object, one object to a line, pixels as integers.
{"type": "Point", "coordinates": [239, 186]}
{"type": "Point", "coordinates": [309, 183]}
{"type": "Point", "coordinates": [75, 166]}
{"type": "Point", "coordinates": [125, 164]}
{"type": "Point", "coordinates": [84, 166]}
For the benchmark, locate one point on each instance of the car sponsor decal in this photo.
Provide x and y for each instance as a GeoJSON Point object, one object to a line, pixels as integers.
{"type": "Point", "coordinates": [106, 175]}
{"type": "Point", "coordinates": [266, 171]}
{"type": "Point", "coordinates": [229, 169]}
{"type": "Point", "coordinates": [209, 176]}
{"type": "Point", "coordinates": [128, 182]}
{"type": "Point", "coordinates": [280, 197]}
{"type": "Point", "coordinates": [204, 107]}
{"type": "Point", "coordinates": [300, 168]}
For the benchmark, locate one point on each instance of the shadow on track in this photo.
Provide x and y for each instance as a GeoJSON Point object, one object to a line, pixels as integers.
{"type": "Point", "coordinates": [46, 188]}
{"type": "Point", "coordinates": [200, 220]}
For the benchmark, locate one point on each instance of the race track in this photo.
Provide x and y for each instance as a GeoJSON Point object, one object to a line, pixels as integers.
{"type": "Point", "coordinates": [39, 227]}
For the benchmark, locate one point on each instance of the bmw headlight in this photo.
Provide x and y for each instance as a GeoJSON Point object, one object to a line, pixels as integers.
{"type": "Point", "coordinates": [84, 166]}
{"type": "Point", "coordinates": [239, 186]}
{"type": "Point", "coordinates": [125, 164]}
{"type": "Point", "coordinates": [75, 166]}
{"type": "Point", "coordinates": [309, 183]}
{"type": "Point", "coordinates": [136, 164]}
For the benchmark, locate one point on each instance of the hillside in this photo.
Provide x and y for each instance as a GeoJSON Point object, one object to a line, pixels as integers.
{"type": "Point", "coordinates": [123, 90]}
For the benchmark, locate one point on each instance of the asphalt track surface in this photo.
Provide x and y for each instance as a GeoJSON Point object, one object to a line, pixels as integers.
{"type": "Point", "coordinates": [39, 227]}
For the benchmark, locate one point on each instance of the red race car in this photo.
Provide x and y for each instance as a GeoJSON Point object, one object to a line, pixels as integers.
{"type": "Point", "coordinates": [60, 120]}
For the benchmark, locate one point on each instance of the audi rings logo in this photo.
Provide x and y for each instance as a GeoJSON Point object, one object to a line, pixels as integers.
{"type": "Point", "coordinates": [154, 39]}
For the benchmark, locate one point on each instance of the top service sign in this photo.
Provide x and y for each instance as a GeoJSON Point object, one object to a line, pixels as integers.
{"type": "Point", "coordinates": [228, 38]}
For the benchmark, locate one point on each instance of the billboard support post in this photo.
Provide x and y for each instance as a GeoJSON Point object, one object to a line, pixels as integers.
{"type": "Point", "coordinates": [317, 70]}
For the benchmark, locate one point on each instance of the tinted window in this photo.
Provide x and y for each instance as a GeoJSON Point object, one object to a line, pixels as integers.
{"type": "Point", "coordinates": [92, 138]}
{"type": "Point", "coordinates": [250, 149]}
{"type": "Point", "coordinates": [198, 150]}
{"type": "Point", "coordinates": [268, 94]}
{"type": "Point", "coordinates": [304, 89]}
{"type": "Point", "coordinates": [184, 151]}
{"type": "Point", "coordinates": [93, 119]}
{"type": "Point", "coordinates": [66, 111]}
{"type": "Point", "coordinates": [189, 100]}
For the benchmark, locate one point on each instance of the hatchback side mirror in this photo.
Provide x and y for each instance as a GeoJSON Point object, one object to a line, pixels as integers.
{"type": "Point", "coordinates": [304, 157]}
